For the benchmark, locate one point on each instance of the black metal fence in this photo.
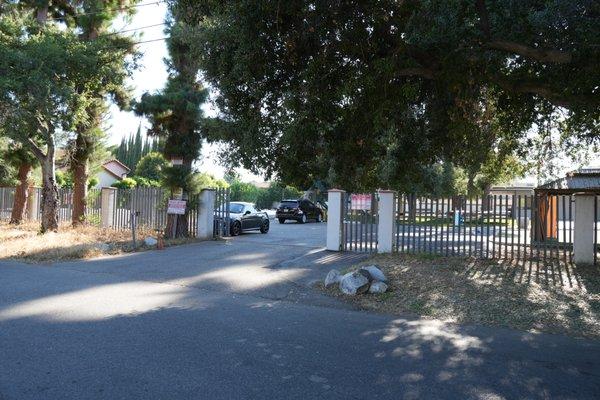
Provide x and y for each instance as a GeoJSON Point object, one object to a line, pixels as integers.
{"type": "Point", "coordinates": [359, 223]}
{"type": "Point", "coordinates": [222, 217]}
{"type": "Point", "coordinates": [497, 226]}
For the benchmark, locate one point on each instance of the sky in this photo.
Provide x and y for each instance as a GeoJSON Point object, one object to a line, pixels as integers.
{"type": "Point", "coordinates": [151, 77]}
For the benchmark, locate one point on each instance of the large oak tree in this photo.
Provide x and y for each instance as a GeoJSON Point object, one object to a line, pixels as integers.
{"type": "Point", "coordinates": [364, 93]}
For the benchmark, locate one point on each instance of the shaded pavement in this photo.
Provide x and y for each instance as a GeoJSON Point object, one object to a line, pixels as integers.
{"type": "Point", "coordinates": [233, 320]}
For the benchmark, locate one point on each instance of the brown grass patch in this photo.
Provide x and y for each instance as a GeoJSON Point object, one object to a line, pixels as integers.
{"type": "Point", "coordinates": [24, 243]}
{"type": "Point", "coordinates": [558, 298]}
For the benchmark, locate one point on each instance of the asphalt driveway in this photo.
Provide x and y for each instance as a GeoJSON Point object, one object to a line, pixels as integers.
{"type": "Point", "coordinates": [233, 320]}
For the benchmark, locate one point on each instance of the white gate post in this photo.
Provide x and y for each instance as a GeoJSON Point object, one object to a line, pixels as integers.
{"type": "Point", "coordinates": [206, 214]}
{"type": "Point", "coordinates": [107, 206]}
{"type": "Point", "coordinates": [387, 221]}
{"type": "Point", "coordinates": [335, 197]}
{"type": "Point", "coordinates": [583, 235]}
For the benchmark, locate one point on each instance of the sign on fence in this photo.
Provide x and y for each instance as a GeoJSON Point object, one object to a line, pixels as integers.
{"type": "Point", "coordinates": [176, 207]}
{"type": "Point", "coordinates": [360, 202]}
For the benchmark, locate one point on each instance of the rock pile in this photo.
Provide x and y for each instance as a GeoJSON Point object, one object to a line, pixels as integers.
{"type": "Point", "coordinates": [366, 279]}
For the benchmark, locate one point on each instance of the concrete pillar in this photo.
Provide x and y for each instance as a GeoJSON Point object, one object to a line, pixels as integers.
{"type": "Point", "coordinates": [33, 204]}
{"type": "Point", "coordinates": [583, 235]}
{"type": "Point", "coordinates": [387, 221]}
{"type": "Point", "coordinates": [335, 198]}
{"type": "Point", "coordinates": [107, 205]}
{"type": "Point", "coordinates": [206, 214]}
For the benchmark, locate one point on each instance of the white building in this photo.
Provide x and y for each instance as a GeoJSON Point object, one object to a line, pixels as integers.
{"type": "Point", "coordinates": [112, 171]}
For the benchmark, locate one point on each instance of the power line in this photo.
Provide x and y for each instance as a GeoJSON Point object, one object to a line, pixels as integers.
{"type": "Point", "coordinates": [149, 41]}
{"type": "Point", "coordinates": [132, 29]}
{"type": "Point", "coordinates": [110, 9]}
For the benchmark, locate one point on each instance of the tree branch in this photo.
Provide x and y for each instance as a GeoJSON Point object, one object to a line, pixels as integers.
{"type": "Point", "coordinates": [541, 55]}
{"type": "Point", "coordinates": [35, 149]}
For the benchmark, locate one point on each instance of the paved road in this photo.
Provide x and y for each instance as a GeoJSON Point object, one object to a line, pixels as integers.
{"type": "Point", "coordinates": [228, 320]}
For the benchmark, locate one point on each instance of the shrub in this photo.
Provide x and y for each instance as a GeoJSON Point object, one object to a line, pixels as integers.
{"type": "Point", "coordinates": [125, 183]}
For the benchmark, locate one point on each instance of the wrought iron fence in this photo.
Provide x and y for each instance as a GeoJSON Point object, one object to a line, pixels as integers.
{"type": "Point", "coordinates": [497, 226]}
{"type": "Point", "coordinates": [359, 223]}
{"type": "Point", "coordinates": [7, 197]}
{"type": "Point", "coordinates": [222, 218]}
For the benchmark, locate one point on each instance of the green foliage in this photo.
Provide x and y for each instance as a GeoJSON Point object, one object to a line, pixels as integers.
{"type": "Point", "coordinates": [134, 147]}
{"type": "Point", "coordinates": [64, 179]}
{"type": "Point", "coordinates": [92, 182]}
{"type": "Point", "coordinates": [175, 112]}
{"type": "Point", "coordinates": [8, 174]}
{"type": "Point", "coordinates": [203, 180]}
{"type": "Point", "coordinates": [125, 183]}
{"type": "Point", "coordinates": [151, 166]}
{"type": "Point", "coordinates": [364, 94]}
{"type": "Point", "coordinates": [145, 182]}
{"type": "Point", "coordinates": [242, 191]}
{"type": "Point", "coordinates": [275, 193]}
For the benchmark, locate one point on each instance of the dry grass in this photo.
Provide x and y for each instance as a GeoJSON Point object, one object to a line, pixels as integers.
{"type": "Point", "coordinates": [557, 298]}
{"type": "Point", "coordinates": [24, 242]}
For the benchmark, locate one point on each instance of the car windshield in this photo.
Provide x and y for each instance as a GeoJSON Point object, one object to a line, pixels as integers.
{"type": "Point", "coordinates": [288, 204]}
{"type": "Point", "coordinates": [236, 208]}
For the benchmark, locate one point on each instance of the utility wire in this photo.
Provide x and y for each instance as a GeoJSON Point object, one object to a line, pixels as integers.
{"type": "Point", "coordinates": [132, 29]}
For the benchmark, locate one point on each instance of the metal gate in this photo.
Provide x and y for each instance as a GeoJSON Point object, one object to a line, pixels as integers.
{"type": "Point", "coordinates": [359, 222]}
{"type": "Point", "coordinates": [222, 219]}
{"type": "Point", "coordinates": [514, 227]}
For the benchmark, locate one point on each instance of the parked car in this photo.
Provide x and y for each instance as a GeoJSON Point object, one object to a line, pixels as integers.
{"type": "Point", "coordinates": [300, 210]}
{"type": "Point", "coordinates": [244, 217]}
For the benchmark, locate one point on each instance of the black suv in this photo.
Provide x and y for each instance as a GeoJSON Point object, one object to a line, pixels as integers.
{"type": "Point", "coordinates": [299, 210]}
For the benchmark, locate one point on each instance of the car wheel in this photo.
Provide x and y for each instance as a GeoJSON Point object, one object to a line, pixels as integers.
{"type": "Point", "coordinates": [282, 220]}
{"type": "Point", "coordinates": [236, 228]}
{"type": "Point", "coordinates": [319, 217]}
{"type": "Point", "coordinates": [302, 219]}
{"type": "Point", "coordinates": [264, 228]}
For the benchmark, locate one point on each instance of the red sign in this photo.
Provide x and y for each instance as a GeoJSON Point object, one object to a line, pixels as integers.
{"type": "Point", "coordinates": [176, 207]}
{"type": "Point", "coordinates": [360, 202]}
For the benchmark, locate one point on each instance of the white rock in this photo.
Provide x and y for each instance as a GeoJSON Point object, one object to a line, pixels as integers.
{"type": "Point", "coordinates": [378, 287]}
{"type": "Point", "coordinates": [150, 241]}
{"type": "Point", "coordinates": [376, 273]}
{"type": "Point", "coordinates": [332, 277]}
{"type": "Point", "coordinates": [354, 283]}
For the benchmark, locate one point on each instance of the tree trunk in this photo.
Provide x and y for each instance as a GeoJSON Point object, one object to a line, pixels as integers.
{"type": "Point", "coordinates": [49, 193]}
{"type": "Point", "coordinates": [21, 194]}
{"type": "Point", "coordinates": [41, 14]}
{"type": "Point", "coordinates": [79, 169]}
{"type": "Point", "coordinates": [486, 192]}
{"type": "Point", "coordinates": [177, 225]}
{"type": "Point", "coordinates": [471, 185]}
{"type": "Point", "coordinates": [179, 231]}
{"type": "Point", "coordinates": [80, 177]}
{"type": "Point", "coordinates": [412, 207]}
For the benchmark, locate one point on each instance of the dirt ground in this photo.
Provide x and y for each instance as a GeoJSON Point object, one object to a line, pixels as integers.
{"type": "Point", "coordinates": [558, 298]}
{"type": "Point", "coordinates": [24, 243]}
